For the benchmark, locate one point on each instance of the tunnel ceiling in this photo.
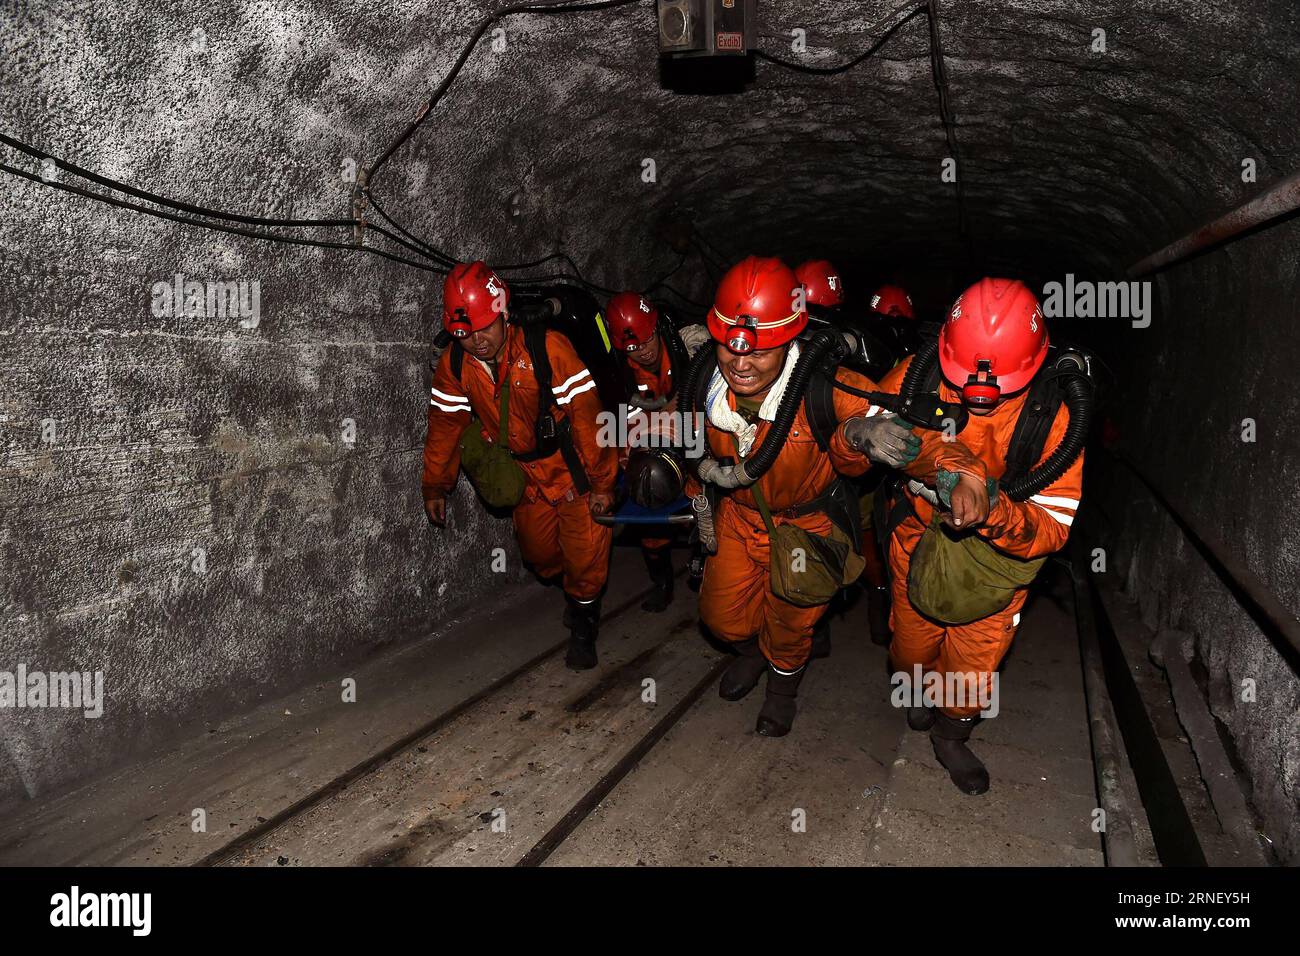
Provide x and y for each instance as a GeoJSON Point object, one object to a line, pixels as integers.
{"type": "Point", "coordinates": [1069, 156]}
{"type": "Point", "coordinates": [1080, 157]}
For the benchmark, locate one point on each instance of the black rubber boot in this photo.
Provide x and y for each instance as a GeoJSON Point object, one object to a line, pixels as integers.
{"type": "Point", "coordinates": [660, 565]}
{"type": "Point", "coordinates": [742, 674]}
{"type": "Point", "coordinates": [920, 718]}
{"type": "Point", "coordinates": [949, 738]}
{"type": "Point", "coordinates": [821, 637]}
{"type": "Point", "coordinates": [777, 714]}
{"type": "Point", "coordinates": [584, 624]}
{"type": "Point", "coordinates": [878, 615]}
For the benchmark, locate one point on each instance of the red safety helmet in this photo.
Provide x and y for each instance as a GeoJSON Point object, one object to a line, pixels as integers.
{"type": "Point", "coordinates": [755, 307]}
{"type": "Point", "coordinates": [994, 340]}
{"type": "Point", "coordinates": [892, 300]}
{"type": "Point", "coordinates": [631, 319]}
{"type": "Point", "coordinates": [472, 298]}
{"type": "Point", "coordinates": [822, 284]}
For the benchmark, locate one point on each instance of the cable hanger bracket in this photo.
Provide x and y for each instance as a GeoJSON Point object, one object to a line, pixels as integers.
{"type": "Point", "coordinates": [360, 203]}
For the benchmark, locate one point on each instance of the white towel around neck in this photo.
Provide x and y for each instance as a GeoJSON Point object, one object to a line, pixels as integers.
{"type": "Point", "coordinates": [723, 416]}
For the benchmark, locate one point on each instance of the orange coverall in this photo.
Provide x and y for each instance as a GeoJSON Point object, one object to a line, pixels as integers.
{"type": "Point", "coordinates": [1025, 529]}
{"type": "Point", "coordinates": [553, 523]}
{"type": "Point", "coordinates": [653, 382]}
{"type": "Point", "coordinates": [736, 599]}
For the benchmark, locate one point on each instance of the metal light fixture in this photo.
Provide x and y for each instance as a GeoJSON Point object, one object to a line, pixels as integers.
{"type": "Point", "coordinates": [707, 27]}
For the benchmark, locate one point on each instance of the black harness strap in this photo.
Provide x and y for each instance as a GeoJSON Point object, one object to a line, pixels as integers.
{"type": "Point", "coordinates": [1028, 440]}
{"type": "Point", "coordinates": [1032, 428]}
{"type": "Point", "coordinates": [1029, 437]}
{"type": "Point", "coordinates": [819, 406]}
{"type": "Point", "coordinates": [550, 435]}
{"type": "Point", "coordinates": [548, 428]}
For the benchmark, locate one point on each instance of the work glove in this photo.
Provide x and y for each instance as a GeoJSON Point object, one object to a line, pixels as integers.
{"type": "Point", "coordinates": [695, 337]}
{"type": "Point", "coordinates": [883, 439]}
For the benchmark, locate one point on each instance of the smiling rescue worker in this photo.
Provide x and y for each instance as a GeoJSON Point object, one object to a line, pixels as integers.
{"type": "Point", "coordinates": [785, 541]}
{"type": "Point", "coordinates": [651, 349]}
{"type": "Point", "coordinates": [545, 464]}
{"type": "Point", "coordinates": [990, 355]}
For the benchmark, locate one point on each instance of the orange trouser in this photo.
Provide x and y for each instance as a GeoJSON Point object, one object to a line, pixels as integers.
{"type": "Point", "coordinates": [736, 602]}
{"type": "Point", "coordinates": [873, 573]}
{"type": "Point", "coordinates": [563, 538]}
{"type": "Point", "coordinates": [974, 649]}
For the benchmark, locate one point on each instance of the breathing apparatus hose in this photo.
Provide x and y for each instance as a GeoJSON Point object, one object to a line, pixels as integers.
{"type": "Point", "coordinates": [672, 340]}
{"type": "Point", "coordinates": [1071, 369]}
{"type": "Point", "coordinates": [1079, 400]}
{"type": "Point", "coordinates": [917, 372]}
{"type": "Point", "coordinates": [813, 355]}
{"type": "Point", "coordinates": [687, 389]}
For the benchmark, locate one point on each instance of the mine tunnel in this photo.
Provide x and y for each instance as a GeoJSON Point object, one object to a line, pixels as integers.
{"type": "Point", "coordinates": [229, 233]}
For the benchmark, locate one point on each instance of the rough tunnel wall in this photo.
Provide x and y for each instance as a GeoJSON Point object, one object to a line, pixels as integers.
{"type": "Point", "coordinates": [1222, 354]}
{"type": "Point", "coordinates": [182, 507]}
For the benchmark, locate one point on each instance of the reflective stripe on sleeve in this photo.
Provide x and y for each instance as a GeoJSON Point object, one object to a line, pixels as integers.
{"type": "Point", "coordinates": [1071, 503]}
{"type": "Point", "coordinates": [1066, 520]}
{"type": "Point", "coordinates": [577, 391]}
{"type": "Point", "coordinates": [576, 377]}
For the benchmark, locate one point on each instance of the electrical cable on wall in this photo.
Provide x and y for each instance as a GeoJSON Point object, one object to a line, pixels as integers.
{"type": "Point", "coordinates": [440, 259]}
{"type": "Point", "coordinates": [41, 156]}
{"type": "Point", "coordinates": [217, 227]}
{"type": "Point", "coordinates": [558, 6]}
{"type": "Point", "coordinates": [939, 73]}
{"type": "Point", "coordinates": [899, 16]}
{"type": "Point", "coordinates": [440, 262]}
{"type": "Point", "coordinates": [429, 249]}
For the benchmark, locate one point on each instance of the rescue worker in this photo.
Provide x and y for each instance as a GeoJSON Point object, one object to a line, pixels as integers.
{"type": "Point", "coordinates": [990, 348]}
{"type": "Point", "coordinates": [821, 283]}
{"type": "Point", "coordinates": [633, 323]}
{"type": "Point", "coordinates": [755, 320]}
{"type": "Point", "coordinates": [892, 301]}
{"type": "Point", "coordinates": [896, 321]}
{"type": "Point", "coordinates": [562, 487]}
{"type": "Point", "coordinates": [824, 289]}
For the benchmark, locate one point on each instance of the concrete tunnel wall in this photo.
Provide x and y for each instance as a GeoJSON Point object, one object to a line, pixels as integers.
{"type": "Point", "coordinates": [174, 434]}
